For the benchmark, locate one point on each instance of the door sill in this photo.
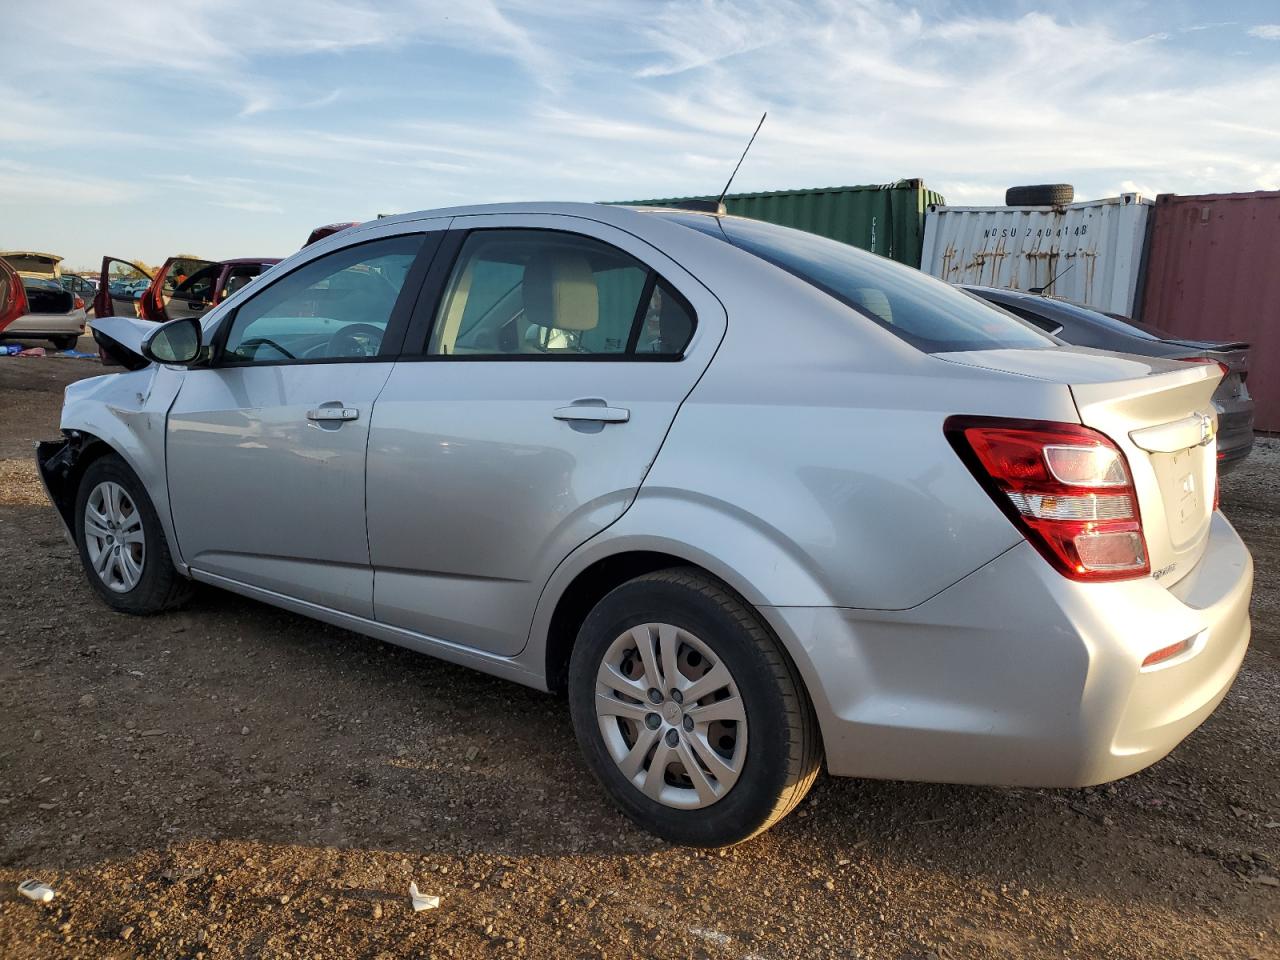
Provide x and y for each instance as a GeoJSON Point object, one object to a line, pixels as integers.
{"type": "Point", "coordinates": [493, 664]}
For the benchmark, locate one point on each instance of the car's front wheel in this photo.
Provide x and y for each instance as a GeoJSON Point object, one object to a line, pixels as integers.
{"type": "Point", "coordinates": [122, 544]}
{"type": "Point", "coordinates": [688, 711]}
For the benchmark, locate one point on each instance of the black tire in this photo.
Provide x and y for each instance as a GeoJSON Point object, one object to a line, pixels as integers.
{"type": "Point", "coordinates": [784, 747]}
{"type": "Point", "coordinates": [65, 343]}
{"type": "Point", "coordinates": [160, 587]}
{"type": "Point", "coordinates": [1040, 195]}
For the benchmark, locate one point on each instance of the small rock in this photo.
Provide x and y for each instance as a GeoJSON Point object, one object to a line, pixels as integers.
{"type": "Point", "coordinates": [472, 753]}
{"type": "Point", "coordinates": [38, 736]}
{"type": "Point", "coordinates": [126, 932]}
{"type": "Point", "coordinates": [829, 885]}
{"type": "Point", "coordinates": [88, 702]}
{"type": "Point", "coordinates": [377, 911]}
{"type": "Point", "coordinates": [244, 731]}
{"type": "Point", "coordinates": [284, 898]}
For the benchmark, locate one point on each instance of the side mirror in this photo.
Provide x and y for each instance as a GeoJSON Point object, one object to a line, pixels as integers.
{"type": "Point", "coordinates": [177, 341]}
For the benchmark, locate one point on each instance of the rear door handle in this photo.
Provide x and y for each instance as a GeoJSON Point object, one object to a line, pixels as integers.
{"type": "Point", "coordinates": [590, 413]}
{"type": "Point", "coordinates": [333, 413]}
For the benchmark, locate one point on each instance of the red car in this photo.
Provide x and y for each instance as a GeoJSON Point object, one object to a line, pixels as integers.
{"type": "Point", "coordinates": [13, 298]}
{"type": "Point", "coordinates": [183, 287]}
{"type": "Point", "coordinates": [328, 230]}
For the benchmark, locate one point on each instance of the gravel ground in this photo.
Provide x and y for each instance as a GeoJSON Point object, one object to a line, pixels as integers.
{"type": "Point", "coordinates": [232, 780]}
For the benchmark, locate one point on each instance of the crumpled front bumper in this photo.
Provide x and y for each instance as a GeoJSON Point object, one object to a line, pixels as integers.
{"type": "Point", "coordinates": [55, 462]}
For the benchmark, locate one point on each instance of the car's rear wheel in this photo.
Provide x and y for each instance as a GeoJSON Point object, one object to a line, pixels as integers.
{"type": "Point", "coordinates": [689, 712]}
{"type": "Point", "coordinates": [65, 343]}
{"type": "Point", "coordinates": [121, 542]}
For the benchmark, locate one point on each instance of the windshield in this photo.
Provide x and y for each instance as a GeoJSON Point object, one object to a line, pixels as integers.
{"type": "Point", "coordinates": [927, 313]}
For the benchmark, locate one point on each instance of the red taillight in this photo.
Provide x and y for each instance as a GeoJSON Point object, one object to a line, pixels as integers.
{"type": "Point", "coordinates": [78, 303]}
{"type": "Point", "coordinates": [1066, 487]}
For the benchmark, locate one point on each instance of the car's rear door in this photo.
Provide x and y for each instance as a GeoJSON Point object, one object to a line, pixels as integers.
{"type": "Point", "coordinates": [265, 448]}
{"type": "Point", "coordinates": [112, 298]}
{"type": "Point", "coordinates": [560, 350]}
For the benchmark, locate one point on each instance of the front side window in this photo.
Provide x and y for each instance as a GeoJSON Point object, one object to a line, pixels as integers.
{"type": "Point", "coordinates": [198, 286]}
{"type": "Point", "coordinates": [543, 293]}
{"type": "Point", "coordinates": [335, 307]}
{"type": "Point", "coordinates": [930, 315]}
{"type": "Point", "coordinates": [182, 269]}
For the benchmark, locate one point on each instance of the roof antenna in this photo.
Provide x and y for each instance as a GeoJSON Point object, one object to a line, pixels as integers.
{"type": "Point", "coordinates": [1041, 290]}
{"type": "Point", "coordinates": [720, 199]}
{"type": "Point", "coordinates": [716, 206]}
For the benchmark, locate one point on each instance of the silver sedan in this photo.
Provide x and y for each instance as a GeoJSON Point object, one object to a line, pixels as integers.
{"type": "Point", "coordinates": [752, 498]}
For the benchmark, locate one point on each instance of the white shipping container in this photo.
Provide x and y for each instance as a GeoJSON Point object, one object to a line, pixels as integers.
{"type": "Point", "coordinates": [1093, 249]}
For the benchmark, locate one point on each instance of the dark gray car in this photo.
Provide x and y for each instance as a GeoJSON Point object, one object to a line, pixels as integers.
{"type": "Point", "coordinates": [1083, 327]}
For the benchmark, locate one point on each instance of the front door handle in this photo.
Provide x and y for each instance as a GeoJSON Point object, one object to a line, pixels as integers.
{"type": "Point", "coordinates": [323, 414]}
{"type": "Point", "coordinates": [593, 414]}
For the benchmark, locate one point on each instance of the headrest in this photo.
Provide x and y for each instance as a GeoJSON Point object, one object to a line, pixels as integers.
{"type": "Point", "coordinates": [560, 292]}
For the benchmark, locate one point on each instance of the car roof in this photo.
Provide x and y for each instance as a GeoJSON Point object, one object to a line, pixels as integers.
{"type": "Point", "coordinates": [238, 261]}
{"type": "Point", "coordinates": [596, 211]}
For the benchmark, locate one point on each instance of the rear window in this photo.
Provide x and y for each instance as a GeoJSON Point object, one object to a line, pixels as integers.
{"type": "Point", "coordinates": [927, 313]}
{"type": "Point", "coordinates": [1104, 321]}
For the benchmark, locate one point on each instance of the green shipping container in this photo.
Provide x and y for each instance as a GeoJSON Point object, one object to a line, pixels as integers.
{"type": "Point", "coordinates": [887, 219]}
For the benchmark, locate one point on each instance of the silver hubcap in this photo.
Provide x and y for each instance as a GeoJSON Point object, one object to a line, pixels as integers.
{"type": "Point", "coordinates": [113, 534]}
{"type": "Point", "coordinates": [671, 716]}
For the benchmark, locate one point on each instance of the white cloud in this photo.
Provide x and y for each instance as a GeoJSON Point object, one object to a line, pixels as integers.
{"type": "Point", "coordinates": [27, 183]}
{"type": "Point", "coordinates": [1267, 31]}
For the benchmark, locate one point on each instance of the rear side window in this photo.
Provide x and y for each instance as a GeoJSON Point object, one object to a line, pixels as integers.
{"type": "Point", "coordinates": [547, 294]}
{"type": "Point", "coordinates": [927, 313]}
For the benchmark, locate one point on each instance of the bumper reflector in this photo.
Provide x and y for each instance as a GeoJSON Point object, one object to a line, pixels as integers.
{"type": "Point", "coordinates": [1168, 653]}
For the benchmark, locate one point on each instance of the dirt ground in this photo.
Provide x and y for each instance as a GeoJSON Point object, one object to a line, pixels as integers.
{"type": "Point", "coordinates": [236, 781]}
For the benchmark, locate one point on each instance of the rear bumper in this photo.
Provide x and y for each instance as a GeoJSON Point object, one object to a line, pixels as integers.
{"type": "Point", "coordinates": [1018, 676]}
{"type": "Point", "coordinates": [1235, 433]}
{"type": "Point", "coordinates": [39, 325]}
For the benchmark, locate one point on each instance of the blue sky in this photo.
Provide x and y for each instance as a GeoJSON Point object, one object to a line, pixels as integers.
{"type": "Point", "coordinates": [231, 127]}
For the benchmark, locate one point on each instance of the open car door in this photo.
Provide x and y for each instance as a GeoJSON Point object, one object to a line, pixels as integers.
{"type": "Point", "coordinates": [182, 288]}
{"type": "Point", "coordinates": [13, 298]}
{"type": "Point", "coordinates": [118, 288]}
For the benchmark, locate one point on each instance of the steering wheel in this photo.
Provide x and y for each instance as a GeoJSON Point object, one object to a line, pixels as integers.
{"type": "Point", "coordinates": [256, 342]}
{"type": "Point", "coordinates": [355, 340]}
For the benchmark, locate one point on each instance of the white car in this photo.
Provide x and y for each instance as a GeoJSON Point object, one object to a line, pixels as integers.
{"type": "Point", "coordinates": [752, 498]}
{"type": "Point", "coordinates": [41, 308]}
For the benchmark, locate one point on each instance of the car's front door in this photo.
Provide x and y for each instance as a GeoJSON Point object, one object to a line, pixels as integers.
{"type": "Point", "coordinates": [559, 351]}
{"type": "Point", "coordinates": [266, 447]}
{"type": "Point", "coordinates": [13, 298]}
{"type": "Point", "coordinates": [183, 287]}
{"type": "Point", "coordinates": [115, 296]}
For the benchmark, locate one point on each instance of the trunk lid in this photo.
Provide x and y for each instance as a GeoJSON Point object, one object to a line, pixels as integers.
{"type": "Point", "coordinates": [1160, 413]}
{"type": "Point", "coordinates": [32, 264]}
